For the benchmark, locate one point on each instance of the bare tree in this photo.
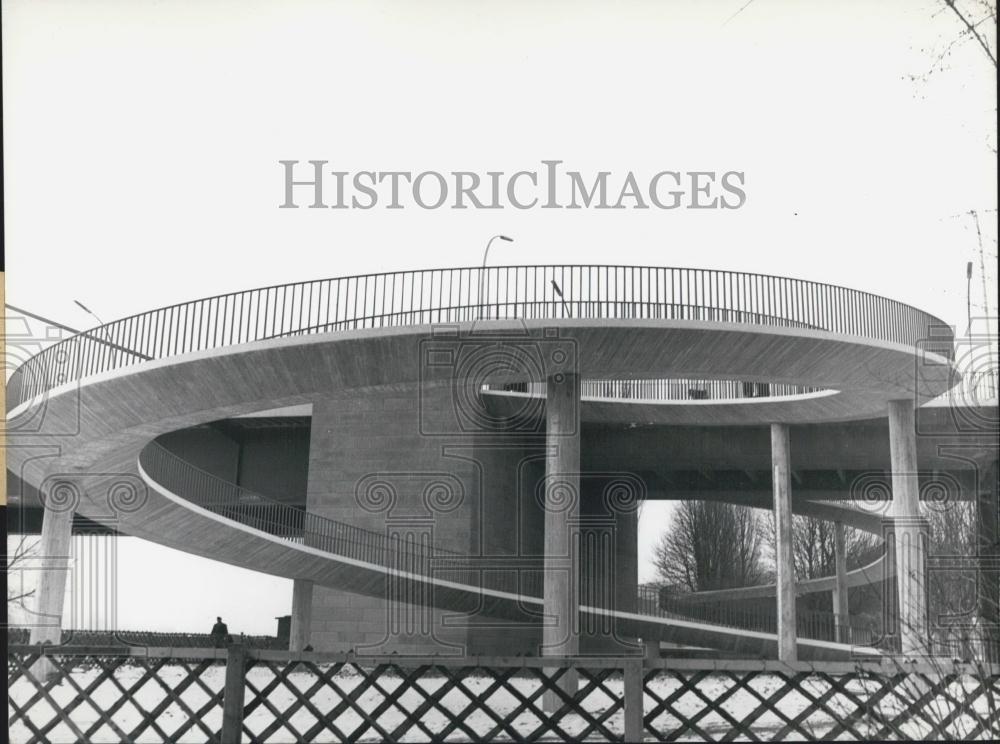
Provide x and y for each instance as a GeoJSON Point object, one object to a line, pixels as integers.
{"type": "Point", "coordinates": [814, 547]}
{"type": "Point", "coordinates": [952, 590]}
{"type": "Point", "coordinates": [814, 552]}
{"type": "Point", "coordinates": [710, 545]}
{"type": "Point", "coordinates": [972, 22]}
{"type": "Point", "coordinates": [16, 559]}
{"type": "Point", "coordinates": [977, 18]}
{"type": "Point", "coordinates": [965, 23]}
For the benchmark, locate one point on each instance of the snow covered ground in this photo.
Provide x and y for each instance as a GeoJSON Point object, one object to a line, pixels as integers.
{"type": "Point", "coordinates": [501, 703]}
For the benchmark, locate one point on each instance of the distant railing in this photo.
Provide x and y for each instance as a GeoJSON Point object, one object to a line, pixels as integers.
{"type": "Point", "coordinates": [663, 390]}
{"type": "Point", "coordinates": [420, 558]}
{"type": "Point", "coordinates": [822, 626]}
{"type": "Point", "coordinates": [74, 639]}
{"type": "Point", "coordinates": [977, 387]}
{"type": "Point", "coordinates": [453, 295]}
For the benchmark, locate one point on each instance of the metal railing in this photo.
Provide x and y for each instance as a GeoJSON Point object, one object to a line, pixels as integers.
{"type": "Point", "coordinates": [452, 295]}
{"type": "Point", "coordinates": [664, 390]}
{"type": "Point", "coordinates": [296, 525]}
{"type": "Point", "coordinates": [74, 639]}
{"type": "Point", "coordinates": [823, 626]}
{"type": "Point", "coordinates": [421, 558]}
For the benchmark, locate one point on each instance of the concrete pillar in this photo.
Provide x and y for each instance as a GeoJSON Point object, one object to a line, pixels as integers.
{"type": "Point", "coordinates": [908, 529]}
{"type": "Point", "coordinates": [560, 635]}
{"type": "Point", "coordinates": [53, 559]}
{"type": "Point", "coordinates": [302, 600]}
{"type": "Point", "coordinates": [627, 560]}
{"type": "Point", "coordinates": [50, 594]}
{"type": "Point", "coordinates": [784, 555]}
{"type": "Point", "coordinates": [988, 513]}
{"type": "Point", "coordinates": [609, 572]}
{"type": "Point", "coordinates": [841, 605]}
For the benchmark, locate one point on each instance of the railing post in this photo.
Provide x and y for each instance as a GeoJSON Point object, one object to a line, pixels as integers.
{"type": "Point", "coordinates": [633, 699]}
{"type": "Point", "coordinates": [232, 696]}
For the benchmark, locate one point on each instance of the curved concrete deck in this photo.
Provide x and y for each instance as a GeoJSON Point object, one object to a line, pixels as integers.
{"type": "Point", "coordinates": [865, 373]}
{"type": "Point", "coordinates": [100, 424]}
{"type": "Point", "coordinates": [94, 429]}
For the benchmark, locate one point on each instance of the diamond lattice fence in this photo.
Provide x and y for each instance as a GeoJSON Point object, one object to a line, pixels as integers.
{"type": "Point", "coordinates": [171, 695]}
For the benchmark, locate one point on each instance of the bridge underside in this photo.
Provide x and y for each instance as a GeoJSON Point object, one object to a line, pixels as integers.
{"type": "Point", "coordinates": [843, 462]}
{"type": "Point", "coordinates": [301, 460]}
{"type": "Point", "coordinates": [386, 450]}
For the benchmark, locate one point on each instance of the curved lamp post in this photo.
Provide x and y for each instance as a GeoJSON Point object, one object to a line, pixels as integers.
{"type": "Point", "coordinates": [89, 312]}
{"type": "Point", "coordinates": [486, 254]}
{"type": "Point", "coordinates": [100, 323]}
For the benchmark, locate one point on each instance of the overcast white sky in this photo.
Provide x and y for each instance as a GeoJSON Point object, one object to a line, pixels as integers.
{"type": "Point", "coordinates": [141, 142]}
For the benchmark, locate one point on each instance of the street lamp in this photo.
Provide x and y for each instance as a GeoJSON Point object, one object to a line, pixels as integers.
{"type": "Point", "coordinates": [486, 254]}
{"type": "Point", "coordinates": [558, 291]}
{"type": "Point", "coordinates": [968, 298]}
{"type": "Point", "coordinates": [107, 339]}
{"type": "Point", "coordinates": [89, 311]}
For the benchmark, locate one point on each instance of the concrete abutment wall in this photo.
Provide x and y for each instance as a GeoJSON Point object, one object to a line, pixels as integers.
{"type": "Point", "coordinates": [396, 464]}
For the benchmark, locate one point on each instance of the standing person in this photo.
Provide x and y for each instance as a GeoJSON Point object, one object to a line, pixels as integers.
{"type": "Point", "coordinates": [220, 632]}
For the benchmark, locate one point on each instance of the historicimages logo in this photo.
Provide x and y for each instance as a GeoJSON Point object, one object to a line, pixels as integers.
{"type": "Point", "coordinates": [316, 184]}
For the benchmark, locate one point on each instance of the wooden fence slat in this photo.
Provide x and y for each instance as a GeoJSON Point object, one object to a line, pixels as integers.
{"type": "Point", "coordinates": [232, 696]}
{"type": "Point", "coordinates": [633, 701]}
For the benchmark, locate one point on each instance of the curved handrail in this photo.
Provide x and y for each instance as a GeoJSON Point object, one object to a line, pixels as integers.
{"type": "Point", "coordinates": [451, 295]}
{"type": "Point", "coordinates": [720, 606]}
{"type": "Point", "coordinates": [859, 576]}
{"type": "Point", "coordinates": [288, 522]}
{"type": "Point", "coordinates": [666, 389]}
{"type": "Point", "coordinates": [810, 623]}
{"type": "Point", "coordinates": [279, 519]}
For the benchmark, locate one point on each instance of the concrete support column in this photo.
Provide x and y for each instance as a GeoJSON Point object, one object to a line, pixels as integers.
{"type": "Point", "coordinates": [782, 482]}
{"type": "Point", "coordinates": [908, 529]}
{"type": "Point", "coordinates": [53, 559]}
{"type": "Point", "coordinates": [50, 594]}
{"type": "Point", "coordinates": [302, 601]}
{"type": "Point", "coordinates": [841, 605]}
{"type": "Point", "coordinates": [560, 635]}
{"type": "Point", "coordinates": [627, 560]}
{"type": "Point", "coordinates": [988, 513]}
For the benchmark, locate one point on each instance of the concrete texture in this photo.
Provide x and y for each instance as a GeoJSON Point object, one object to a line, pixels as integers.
{"type": "Point", "coordinates": [370, 466]}
{"type": "Point", "coordinates": [909, 529]}
{"type": "Point", "coordinates": [562, 516]}
{"type": "Point", "coordinates": [784, 553]}
{"type": "Point", "coordinates": [841, 596]}
{"type": "Point", "coordinates": [54, 552]}
{"type": "Point", "coordinates": [300, 633]}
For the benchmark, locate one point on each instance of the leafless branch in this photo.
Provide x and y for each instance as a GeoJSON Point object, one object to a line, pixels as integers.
{"type": "Point", "coordinates": [972, 28]}
{"type": "Point", "coordinates": [710, 545]}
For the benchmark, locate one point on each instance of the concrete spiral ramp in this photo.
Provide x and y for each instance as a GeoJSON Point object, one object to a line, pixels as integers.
{"type": "Point", "coordinates": [81, 413]}
{"type": "Point", "coordinates": [172, 517]}
{"type": "Point", "coordinates": [113, 416]}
